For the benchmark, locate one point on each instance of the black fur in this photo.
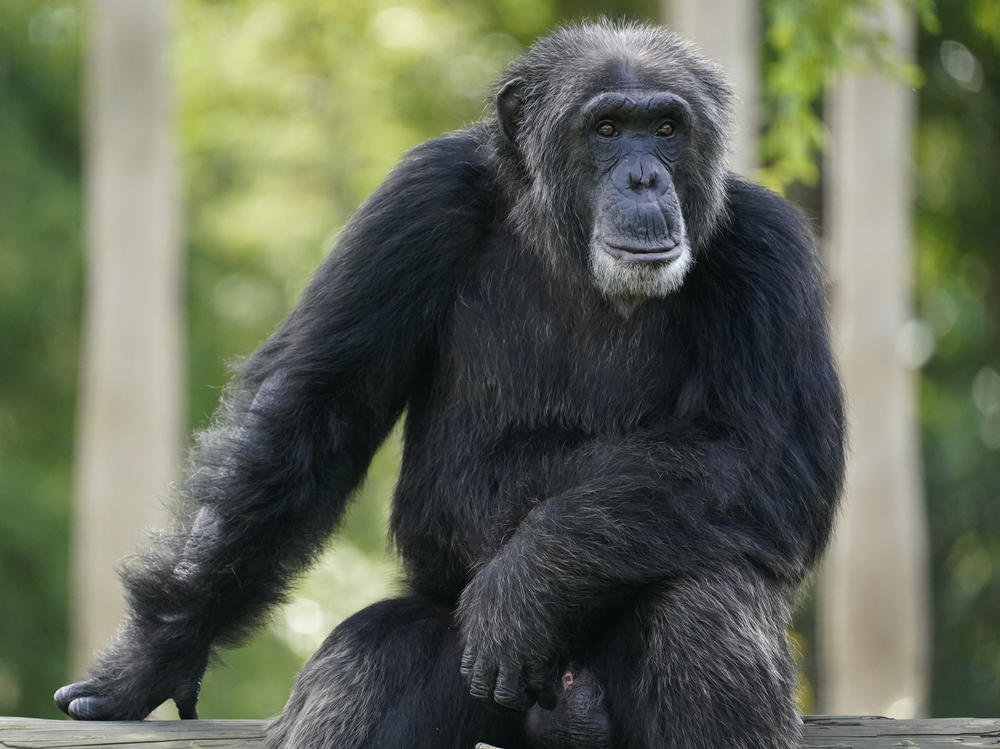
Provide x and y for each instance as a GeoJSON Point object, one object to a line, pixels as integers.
{"type": "Point", "coordinates": [609, 494]}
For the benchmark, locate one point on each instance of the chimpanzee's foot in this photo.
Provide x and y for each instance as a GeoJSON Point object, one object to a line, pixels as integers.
{"type": "Point", "coordinates": [579, 720]}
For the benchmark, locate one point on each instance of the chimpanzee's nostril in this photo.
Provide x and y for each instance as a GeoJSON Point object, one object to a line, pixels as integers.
{"type": "Point", "coordinates": [639, 177]}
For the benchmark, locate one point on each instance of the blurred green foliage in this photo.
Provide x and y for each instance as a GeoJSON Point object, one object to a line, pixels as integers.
{"type": "Point", "coordinates": [289, 114]}
{"type": "Point", "coordinates": [957, 184]}
{"type": "Point", "coordinates": [40, 285]}
{"type": "Point", "coordinates": [803, 42]}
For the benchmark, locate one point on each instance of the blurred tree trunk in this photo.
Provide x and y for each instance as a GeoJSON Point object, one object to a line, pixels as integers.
{"type": "Point", "coordinates": [728, 31]}
{"type": "Point", "coordinates": [873, 625]}
{"type": "Point", "coordinates": [130, 406]}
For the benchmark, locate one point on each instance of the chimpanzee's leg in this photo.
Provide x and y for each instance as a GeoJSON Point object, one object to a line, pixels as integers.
{"type": "Point", "coordinates": [388, 677]}
{"type": "Point", "coordinates": [699, 663]}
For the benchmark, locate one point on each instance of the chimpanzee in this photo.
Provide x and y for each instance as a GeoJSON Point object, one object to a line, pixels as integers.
{"type": "Point", "coordinates": [623, 437]}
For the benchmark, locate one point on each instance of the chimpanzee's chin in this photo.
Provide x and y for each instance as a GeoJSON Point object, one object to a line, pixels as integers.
{"type": "Point", "coordinates": [639, 272]}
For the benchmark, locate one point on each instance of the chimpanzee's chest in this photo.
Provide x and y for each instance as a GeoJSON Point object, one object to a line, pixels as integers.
{"type": "Point", "coordinates": [525, 352]}
{"type": "Point", "coordinates": [526, 371]}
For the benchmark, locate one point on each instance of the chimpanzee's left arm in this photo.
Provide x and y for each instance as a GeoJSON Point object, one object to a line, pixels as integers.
{"type": "Point", "coordinates": [749, 476]}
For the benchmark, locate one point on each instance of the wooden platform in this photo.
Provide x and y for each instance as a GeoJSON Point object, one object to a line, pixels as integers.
{"type": "Point", "coordinates": [819, 732]}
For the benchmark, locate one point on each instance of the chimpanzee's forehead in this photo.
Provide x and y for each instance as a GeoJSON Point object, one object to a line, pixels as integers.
{"type": "Point", "coordinates": [573, 64]}
{"type": "Point", "coordinates": [637, 73]}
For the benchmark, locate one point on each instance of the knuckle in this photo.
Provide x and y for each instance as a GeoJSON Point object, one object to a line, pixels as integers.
{"type": "Point", "coordinates": [480, 691]}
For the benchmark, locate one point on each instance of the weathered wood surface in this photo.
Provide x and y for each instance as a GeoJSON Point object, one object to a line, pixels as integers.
{"type": "Point", "coordinates": [819, 732]}
{"type": "Point", "coordinates": [27, 733]}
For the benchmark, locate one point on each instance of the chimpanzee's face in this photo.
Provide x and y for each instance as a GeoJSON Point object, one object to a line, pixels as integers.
{"type": "Point", "coordinates": [638, 245]}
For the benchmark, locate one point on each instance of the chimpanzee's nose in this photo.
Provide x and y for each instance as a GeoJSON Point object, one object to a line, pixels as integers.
{"type": "Point", "coordinates": [645, 172]}
{"type": "Point", "coordinates": [639, 178]}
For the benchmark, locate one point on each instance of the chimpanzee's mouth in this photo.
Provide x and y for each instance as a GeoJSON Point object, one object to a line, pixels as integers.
{"type": "Point", "coordinates": [666, 252]}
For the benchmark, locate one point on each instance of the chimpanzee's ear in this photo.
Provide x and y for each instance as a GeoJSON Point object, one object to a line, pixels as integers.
{"type": "Point", "coordinates": [509, 107]}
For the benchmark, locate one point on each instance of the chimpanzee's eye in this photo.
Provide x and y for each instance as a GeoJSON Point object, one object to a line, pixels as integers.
{"type": "Point", "coordinates": [606, 129]}
{"type": "Point", "coordinates": [667, 129]}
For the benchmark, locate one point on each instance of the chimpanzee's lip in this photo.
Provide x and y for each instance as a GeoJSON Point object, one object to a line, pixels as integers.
{"type": "Point", "coordinates": [646, 253]}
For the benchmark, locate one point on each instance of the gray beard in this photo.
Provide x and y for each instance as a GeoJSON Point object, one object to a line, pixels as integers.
{"type": "Point", "coordinates": [631, 281]}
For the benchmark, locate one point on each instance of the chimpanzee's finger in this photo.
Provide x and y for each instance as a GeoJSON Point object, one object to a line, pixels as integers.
{"type": "Point", "coordinates": [468, 662]}
{"type": "Point", "coordinates": [510, 691]}
{"type": "Point", "coordinates": [65, 695]}
{"type": "Point", "coordinates": [90, 708]}
{"type": "Point", "coordinates": [483, 679]}
{"type": "Point", "coordinates": [541, 682]}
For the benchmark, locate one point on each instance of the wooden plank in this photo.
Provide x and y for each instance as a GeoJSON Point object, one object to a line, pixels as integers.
{"type": "Point", "coordinates": [28, 733]}
{"type": "Point", "coordinates": [846, 732]}
{"type": "Point", "coordinates": [819, 732]}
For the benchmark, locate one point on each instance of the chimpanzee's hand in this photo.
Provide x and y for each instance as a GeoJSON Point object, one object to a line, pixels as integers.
{"type": "Point", "coordinates": [499, 675]}
{"type": "Point", "coordinates": [509, 657]}
{"type": "Point", "coordinates": [133, 677]}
